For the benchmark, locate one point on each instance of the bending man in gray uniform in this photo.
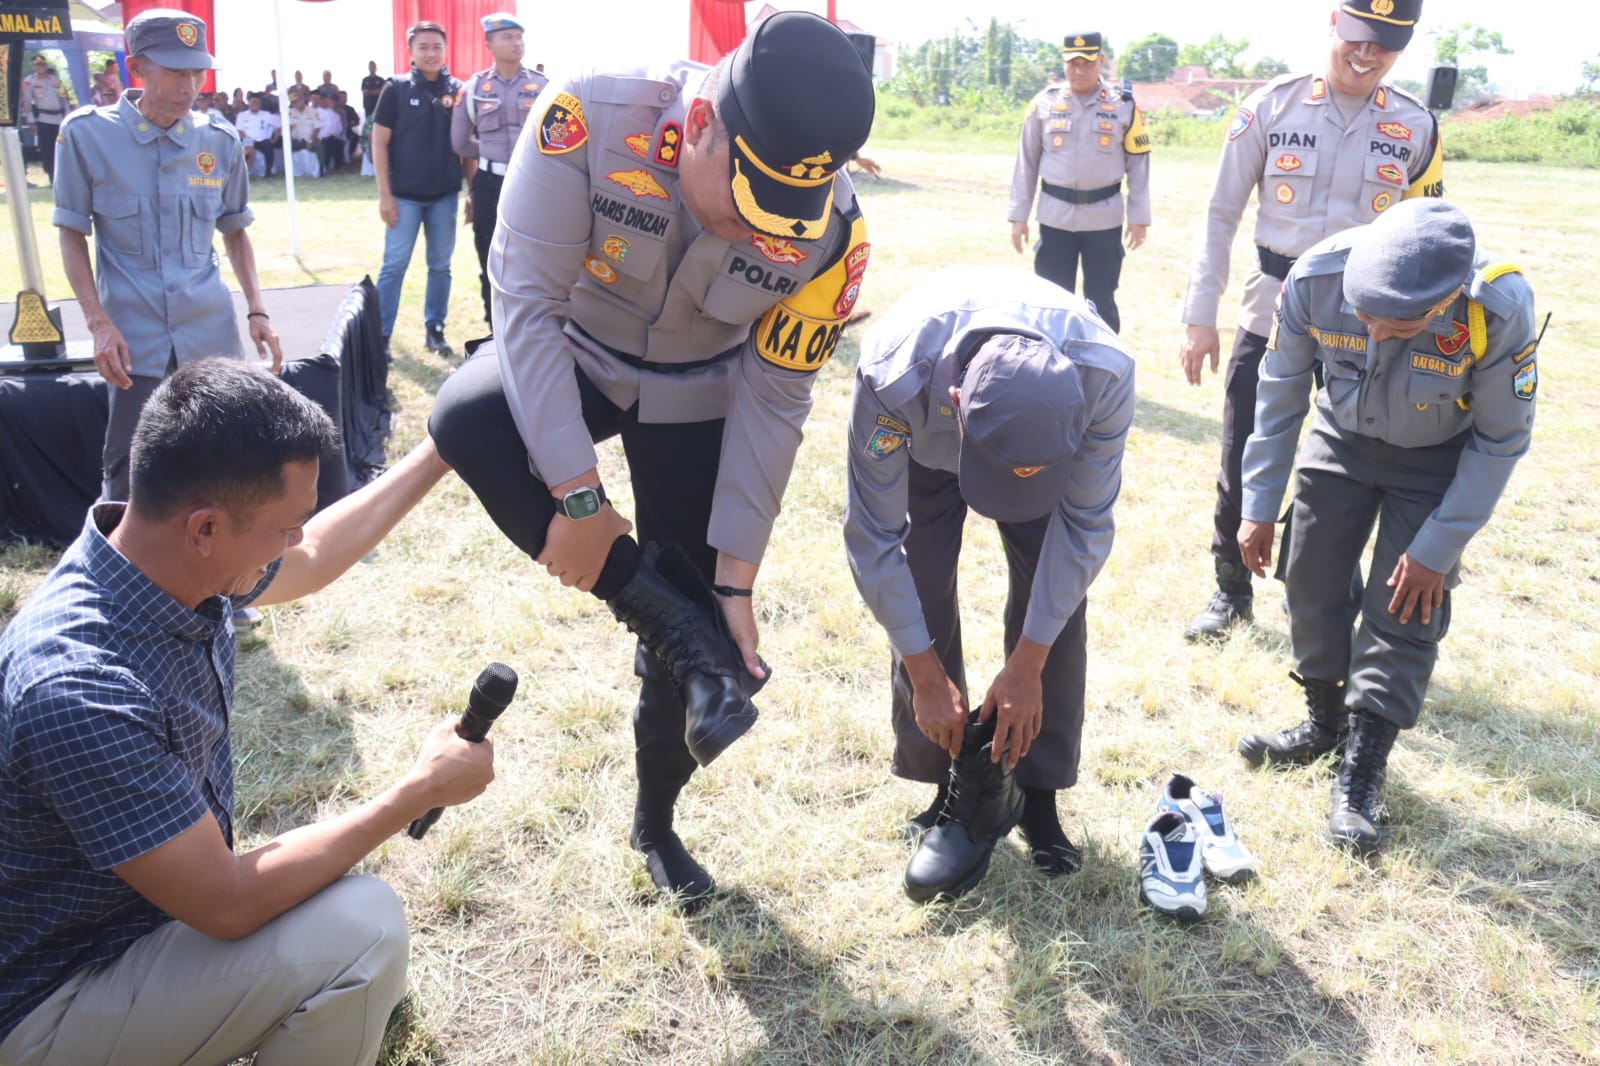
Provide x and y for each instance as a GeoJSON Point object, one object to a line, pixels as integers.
{"type": "Point", "coordinates": [1078, 139]}
{"type": "Point", "coordinates": [1323, 153]}
{"type": "Point", "coordinates": [1427, 356]}
{"type": "Point", "coordinates": [677, 253]}
{"type": "Point", "coordinates": [996, 390]}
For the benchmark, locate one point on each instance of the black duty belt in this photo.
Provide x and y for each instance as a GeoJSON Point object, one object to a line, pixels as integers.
{"type": "Point", "coordinates": [47, 111]}
{"type": "Point", "coordinates": [1274, 265]}
{"type": "Point", "coordinates": [654, 366]}
{"type": "Point", "coordinates": [1080, 196]}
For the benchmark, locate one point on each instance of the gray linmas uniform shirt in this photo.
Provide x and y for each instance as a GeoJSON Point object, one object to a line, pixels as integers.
{"type": "Point", "coordinates": [1449, 379]}
{"type": "Point", "coordinates": [1082, 143]}
{"type": "Point", "coordinates": [1313, 175]}
{"type": "Point", "coordinates": [598, 264]}
{"type": "Point", "coordinates": [902, 411]}
{"type": "Point", "coordinates": [154, 200]}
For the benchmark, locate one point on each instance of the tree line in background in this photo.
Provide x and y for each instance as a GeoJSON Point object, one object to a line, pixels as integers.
{"type": "Point", "coordinates": [995, 69]}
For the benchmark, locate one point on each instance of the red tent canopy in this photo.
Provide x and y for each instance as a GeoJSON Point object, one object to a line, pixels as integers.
{"type": "Point", "coordinates": [715, 28]}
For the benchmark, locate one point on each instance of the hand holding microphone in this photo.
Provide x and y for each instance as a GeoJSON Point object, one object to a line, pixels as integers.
{"type": "Point", "coordinates": [491, 694]}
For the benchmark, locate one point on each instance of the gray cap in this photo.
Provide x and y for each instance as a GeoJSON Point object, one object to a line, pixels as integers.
{"type": "Point", "coordinates": [1406, 261]}
{"type": "Point", "coordinates": [175, 39]}
{"type": "Point", "coordinates": [1022, 416]}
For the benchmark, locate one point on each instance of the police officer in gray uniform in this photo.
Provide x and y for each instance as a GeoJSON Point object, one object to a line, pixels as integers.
{"type": "Point", "coordinates": [995, 390]}
{"type": "Point", "coordinates": [494, 107]}
{"type": "Point", "coordinates": [678, 251]}
{"type": "Point", "coordinates": [154, 183]}
{"type": "Point", "coordinates": [1323, 153]}
{"type": "Point", "coordinates": [45, 102]}
{"type": "Point", "coordinates": [1078, 140]}
{"type": "Point", "coordinates": [1427, 351]}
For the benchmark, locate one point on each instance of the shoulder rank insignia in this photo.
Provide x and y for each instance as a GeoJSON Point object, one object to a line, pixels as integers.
{"type": "Point", "coordinates": [1319, 89]}
{"type": "Point", "coordinates": [1381, 98]}
{"type": "Point", "coordinates": [638, 144]}
{"type": "Point", "coordinates": [671, 141]}
{"type": "Point", "coordinates": [639, 182]}
{"type": "Point", "coordinates": [562, 129]}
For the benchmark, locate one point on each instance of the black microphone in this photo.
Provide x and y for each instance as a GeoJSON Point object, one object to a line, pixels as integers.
{"type": "Point", "coordinates": [491, 694]}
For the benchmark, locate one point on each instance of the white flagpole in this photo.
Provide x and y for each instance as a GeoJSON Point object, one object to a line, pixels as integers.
{"type": "Point", "coordinates": [288, 140]}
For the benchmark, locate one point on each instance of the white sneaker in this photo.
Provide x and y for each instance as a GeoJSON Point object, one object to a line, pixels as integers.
{"type": "Point", "coordinates": [1171, 873]}
{"type": "Point", "coordinates": [1225, 858]}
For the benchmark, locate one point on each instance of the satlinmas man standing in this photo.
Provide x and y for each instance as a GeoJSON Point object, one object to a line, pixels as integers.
{"type": "Point", "coordinates": [678, 251]}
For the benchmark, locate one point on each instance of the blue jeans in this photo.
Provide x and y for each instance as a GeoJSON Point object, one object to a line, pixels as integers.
{"type": "Point", "coordinates": [438, 223]}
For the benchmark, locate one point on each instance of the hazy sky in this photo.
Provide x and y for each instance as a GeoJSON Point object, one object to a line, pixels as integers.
{"type": "Point", "coordinates": [1550, 41]}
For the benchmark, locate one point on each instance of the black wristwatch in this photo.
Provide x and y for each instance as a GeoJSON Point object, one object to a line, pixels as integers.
{"type": "Point", "coordinates": [584, 502]}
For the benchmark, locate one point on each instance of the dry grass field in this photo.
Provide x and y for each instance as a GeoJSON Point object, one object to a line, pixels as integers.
{"type": "Point", "coordinates": [1473, 938]}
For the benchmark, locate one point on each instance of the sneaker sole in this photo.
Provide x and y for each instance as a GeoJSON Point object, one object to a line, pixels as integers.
{"type": "Point", "coordinates": [1238, 877]}
{"type": "Point", "coordinates": [1184, 913]}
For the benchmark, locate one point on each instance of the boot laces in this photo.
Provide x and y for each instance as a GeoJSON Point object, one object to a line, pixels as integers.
{"type": "Point", "coordinates": [673, 638]}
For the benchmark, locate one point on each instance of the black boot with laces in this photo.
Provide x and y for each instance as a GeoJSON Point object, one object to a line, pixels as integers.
{"type": "Point", "coordinates": [1324, 729]}
{"type": "Point", "coordinates": [1358, 790]}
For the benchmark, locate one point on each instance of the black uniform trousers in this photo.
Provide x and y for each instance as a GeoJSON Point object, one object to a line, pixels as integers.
{"type": "Point", "coordinates": [485, 212]}
{"type": "Point", "coordinates": [1345, 484]}
{"type": "Point", "coordinates": [48, 132]}
{"type": "Point", "coordinates": [1238, 422]}
{"type": "Point", "coordinates": [1059, 252]}
{"type": "Point", "coordinates": [937, 514]}
{"type": "Point", "coordinates": [673, 469]}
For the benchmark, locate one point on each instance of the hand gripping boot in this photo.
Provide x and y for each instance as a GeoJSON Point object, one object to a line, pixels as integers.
{"type": "Point", "coordinates": [1358, 790]}
{"type": "Point", "coordinates": [985, 804]}
{"type": "Point", "coordinates": [668, 605]}
{"type": "Point", "coordinates": [1324, 730]}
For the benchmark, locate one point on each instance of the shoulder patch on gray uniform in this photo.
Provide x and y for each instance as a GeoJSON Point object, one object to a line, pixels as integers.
{"type": "Point", "coordinates": [1500, 297]}
{"type": "Point", "coordinates": [1327, 262]}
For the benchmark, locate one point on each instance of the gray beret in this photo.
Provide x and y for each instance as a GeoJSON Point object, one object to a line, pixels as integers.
{"type": "Point", "coordinates": [1402, 264]}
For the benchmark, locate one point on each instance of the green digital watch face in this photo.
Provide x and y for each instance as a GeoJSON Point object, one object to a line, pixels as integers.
{"type": "Point", "coordinates": [581, 503]}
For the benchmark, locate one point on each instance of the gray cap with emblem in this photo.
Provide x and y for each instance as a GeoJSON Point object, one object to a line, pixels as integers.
{"type": "Point", "coordinates": [1405, 262]}
{"type": "Point", "coordinates": [1022, 415]}
{"type": "Point", "coordinates": [175, 39]}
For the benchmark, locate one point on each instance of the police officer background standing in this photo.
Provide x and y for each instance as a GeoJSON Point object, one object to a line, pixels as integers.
{"type": "Point", "coordinates": [495, 104]}
{"type": "Point", "coordinates": [1078, 140]}
{"type": "Point", "coordinates": [1323, 153]}
{"type": "Point", "coordinates": [47, 101]}
{"type": "Point", "coordinates": [994, 390]}
{"type": "Point", "coordinates": [678, 251]}
{"type": "Point", "coordinates": [154, 183]}
{"type": "Point", "coordinates": [1427, 350]}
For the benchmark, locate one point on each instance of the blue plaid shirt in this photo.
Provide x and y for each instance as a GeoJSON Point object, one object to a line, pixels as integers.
{"type": "Point", "coordinates": [114, 705]}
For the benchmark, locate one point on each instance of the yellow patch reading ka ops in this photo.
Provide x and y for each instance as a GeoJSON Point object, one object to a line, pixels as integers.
{"type": "Point", "coordinates": [801, 332]}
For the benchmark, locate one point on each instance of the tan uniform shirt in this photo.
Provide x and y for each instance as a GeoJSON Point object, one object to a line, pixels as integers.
{"type": "Point", "coordinates": [1314, 175]}
{"type": "Point", "coordinates": [598, 264]}
{"type": "Point", "coordinates": [1082, 142]}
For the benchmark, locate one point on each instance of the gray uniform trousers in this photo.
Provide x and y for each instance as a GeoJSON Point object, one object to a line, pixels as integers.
{"type": "Point", "coordinates": [933, 548]}
{"type": "Point", "coordinates": [1346, 482]}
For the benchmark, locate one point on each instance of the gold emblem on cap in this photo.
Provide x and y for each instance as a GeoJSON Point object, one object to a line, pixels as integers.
{"type": "Point", "coordinates": [1383, 7]}
{"type": "Point", "coordinates": [744, 198]}
{"type": "Point", "coordinates": [1027, 471]}
{"type": "Point", "coordinates": [798, 175]}
{"type": "Point", "coordinates": [188, 34]}
{"type": "Point", "coordinates": [1078, 42]}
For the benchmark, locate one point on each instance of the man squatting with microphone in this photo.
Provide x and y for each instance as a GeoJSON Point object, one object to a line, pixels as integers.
{"type": "Point", "coordinates": [130, 930]}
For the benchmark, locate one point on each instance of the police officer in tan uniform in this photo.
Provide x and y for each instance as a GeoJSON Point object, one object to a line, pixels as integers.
{"type": "Point", "coordinates": [494, 108]}
{"type": "Point", "coordinates": [1078, 139]}
{"type": "Point", "coordinates": [1426, 347]}
{"type": "Point", "coordinates": [678, 251]}
{"type": "Point", "coordinates": [1323, 153]}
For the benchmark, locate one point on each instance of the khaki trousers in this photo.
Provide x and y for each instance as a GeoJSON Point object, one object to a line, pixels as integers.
{"type": "Point", "coordinates": [313, 987]}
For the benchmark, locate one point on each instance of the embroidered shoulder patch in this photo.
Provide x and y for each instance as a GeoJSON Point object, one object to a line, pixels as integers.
{"type": "Point", "coordinates": [1526, 383]}
{"type": "Point", "coordinates": [1241, 122]}
{"type": "Point", "coordinates": [562, 129]}
{"type": "Point", "coordinates": [886, 439]}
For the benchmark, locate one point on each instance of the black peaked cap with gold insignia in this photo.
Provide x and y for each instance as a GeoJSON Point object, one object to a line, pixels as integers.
{"type": "Point", "coordinates": [1081, 46]}
{"type": "Point", "coordinates": [798, 105]}
{"type": "Point", "coordinates": [1386, 23]}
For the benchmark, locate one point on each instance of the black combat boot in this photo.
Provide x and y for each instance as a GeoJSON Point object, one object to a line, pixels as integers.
{"type": "Point", "coordinates": [668, 605]}
{"type": "Point", "coordinates": [985, 803]}
{"type": "Point", "coordinates": [1230, 605]}
{"type": "Point", "coordinates": [920, 823]}
{"type": "Point", "coordinates": [436, 343]}
{"type": "Point", "coordinates": [1358, 790]}
{"type": "Point", "coordinates": [672, 869]}
{"type": "Point", "coordinates": [1323, 730]}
